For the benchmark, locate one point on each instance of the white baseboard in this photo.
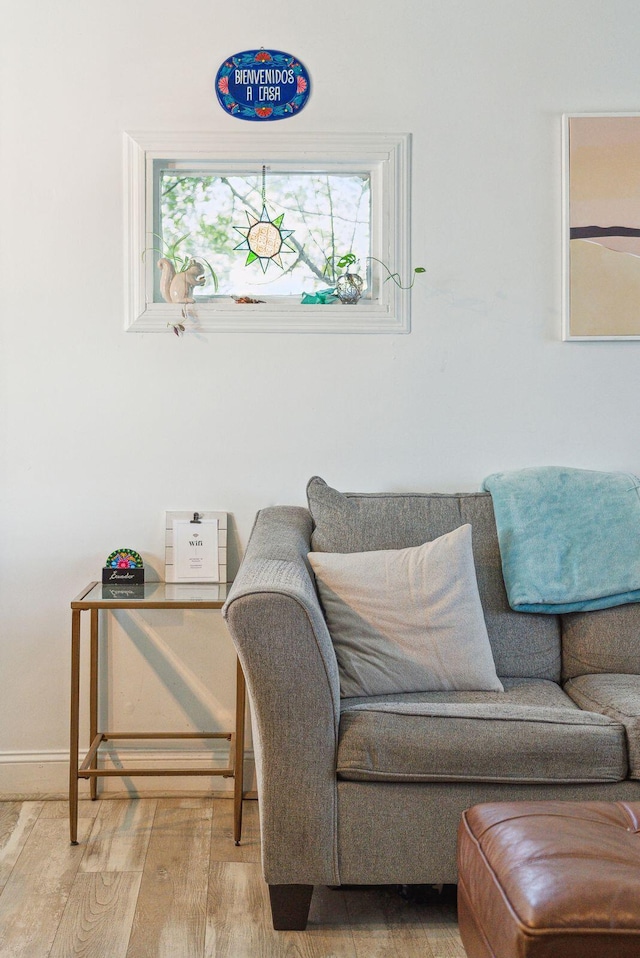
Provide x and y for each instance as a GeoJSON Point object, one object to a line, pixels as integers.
{"type": "Point", "coordinates": [31, 775]}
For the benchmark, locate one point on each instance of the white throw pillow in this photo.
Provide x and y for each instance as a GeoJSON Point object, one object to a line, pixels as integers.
{"type": "Point", "coordinates": [407, 620]}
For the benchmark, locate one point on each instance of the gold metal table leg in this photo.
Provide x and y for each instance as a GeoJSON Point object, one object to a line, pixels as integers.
{"type": "Point", "coordinates": [89, 768]}
{"type": "Point", "coordinates": [93, 699]}
{"type": "Point", "coordinates": [238, 781]}
{"type": "Point", "coordinates": [75, 721]}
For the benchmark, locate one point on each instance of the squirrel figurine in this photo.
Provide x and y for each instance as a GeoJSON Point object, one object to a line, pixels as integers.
{"type": "Point", "coordinates": [177, 287]}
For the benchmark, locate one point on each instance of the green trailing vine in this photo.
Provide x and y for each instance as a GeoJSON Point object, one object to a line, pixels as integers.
{"type": "Point", "coordinates": [349, 259]}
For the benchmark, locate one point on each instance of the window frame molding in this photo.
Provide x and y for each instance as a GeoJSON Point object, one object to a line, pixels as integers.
{"type": "Point", "coordinates": [386, 155]}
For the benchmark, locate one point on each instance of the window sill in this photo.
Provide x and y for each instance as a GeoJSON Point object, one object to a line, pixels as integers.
{"type": "Point", "coordinates": [227, 316]}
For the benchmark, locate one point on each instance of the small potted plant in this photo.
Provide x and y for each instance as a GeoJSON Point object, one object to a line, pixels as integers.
{"type": "Point", "coordinates": [349, 285]}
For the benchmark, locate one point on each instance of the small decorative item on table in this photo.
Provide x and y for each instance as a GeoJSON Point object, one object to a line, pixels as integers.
{"type": "Point", "coordinates": [123, 567]}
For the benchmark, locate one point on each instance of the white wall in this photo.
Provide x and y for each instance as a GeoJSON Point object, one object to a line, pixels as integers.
{"type": "Point", "coordinates": [103, 431]}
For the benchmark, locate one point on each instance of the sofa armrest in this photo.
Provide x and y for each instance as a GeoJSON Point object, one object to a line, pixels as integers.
{"type": "Point", "coordinates": [285, 650]}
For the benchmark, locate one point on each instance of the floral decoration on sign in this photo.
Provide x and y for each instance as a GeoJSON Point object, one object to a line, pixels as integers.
{"type": "Point", "coordinates": [262, 85]}
{"type": "Point", "coordinates": [124, 559]}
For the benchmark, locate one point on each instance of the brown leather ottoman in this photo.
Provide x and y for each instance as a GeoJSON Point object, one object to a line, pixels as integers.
{"type": "Point", "coordinates": [550, 880]}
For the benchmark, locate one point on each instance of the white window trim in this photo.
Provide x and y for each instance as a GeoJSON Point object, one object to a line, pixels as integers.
{"type": "Point", "coordinates": [385, 155]}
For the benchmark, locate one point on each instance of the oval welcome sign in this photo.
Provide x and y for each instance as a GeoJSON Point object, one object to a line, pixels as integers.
{"type": "Point", "coordinates": [262, 85]}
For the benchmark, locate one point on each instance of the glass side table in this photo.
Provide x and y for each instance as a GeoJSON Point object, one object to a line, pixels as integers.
{"type": "Point", "coordinates": [152, 595]}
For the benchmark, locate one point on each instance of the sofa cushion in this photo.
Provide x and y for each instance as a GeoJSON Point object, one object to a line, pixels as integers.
{"type": "Point", "coordinates": [523, 645]}
{"type": "Point", "coordinates": [617, 696]}
{"type": "Point", "coordinates": [407, 620]}
{"type": "Point", "coordinates": [606, 640]}
{"type": "Point", "coordinates": [482, 736]}
{"type": "Point", "coordinates": [517, 691]}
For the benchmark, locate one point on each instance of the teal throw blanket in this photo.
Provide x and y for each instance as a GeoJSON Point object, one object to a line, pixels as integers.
{"type": "Point", "coordinates": [569, 538]}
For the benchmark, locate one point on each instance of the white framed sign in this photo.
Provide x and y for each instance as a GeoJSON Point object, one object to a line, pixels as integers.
{"type": "Point", "coordinates": [196, 547]}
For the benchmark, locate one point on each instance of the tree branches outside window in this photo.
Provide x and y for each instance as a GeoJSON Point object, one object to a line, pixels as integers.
{"type": "Point", "coordinates": [327, 212]}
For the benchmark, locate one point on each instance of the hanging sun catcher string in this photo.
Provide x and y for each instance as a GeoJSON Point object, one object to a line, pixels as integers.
{"type": "Point", "coordinates": [264, 238]}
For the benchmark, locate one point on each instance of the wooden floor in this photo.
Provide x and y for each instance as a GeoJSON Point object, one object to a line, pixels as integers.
{"type": "Point", "coordinates": [161, 877]}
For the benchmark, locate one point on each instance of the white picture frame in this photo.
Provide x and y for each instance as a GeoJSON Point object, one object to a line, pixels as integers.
{"type": "Point", "coordinates": [190, 560]}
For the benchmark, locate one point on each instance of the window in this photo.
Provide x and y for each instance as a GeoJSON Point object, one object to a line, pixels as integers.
{"type": "Point", "coordinates": [270, 216]}
{"type": "Point", "coordinates": [324, 216]}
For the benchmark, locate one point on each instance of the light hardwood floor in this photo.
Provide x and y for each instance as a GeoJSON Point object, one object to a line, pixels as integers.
{"type": "Point", "coordinates": [161, 878]}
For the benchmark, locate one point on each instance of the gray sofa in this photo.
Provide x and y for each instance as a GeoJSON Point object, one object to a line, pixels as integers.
{"type": "Point", "coordinates": [373, 795]}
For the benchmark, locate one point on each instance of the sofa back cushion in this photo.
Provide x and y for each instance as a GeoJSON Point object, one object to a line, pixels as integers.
{"type": "Point", "coordinates": [523, 645]}
{"type": "Point", "coordinates": [606, 640]}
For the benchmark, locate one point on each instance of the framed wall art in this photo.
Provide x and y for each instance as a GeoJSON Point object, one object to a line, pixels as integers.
{"type": "Point", "coordinates": [601, 226]}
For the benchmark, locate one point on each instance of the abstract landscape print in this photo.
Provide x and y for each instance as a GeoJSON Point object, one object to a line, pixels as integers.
{"type": "Point", "coordinates": [602, 226]}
